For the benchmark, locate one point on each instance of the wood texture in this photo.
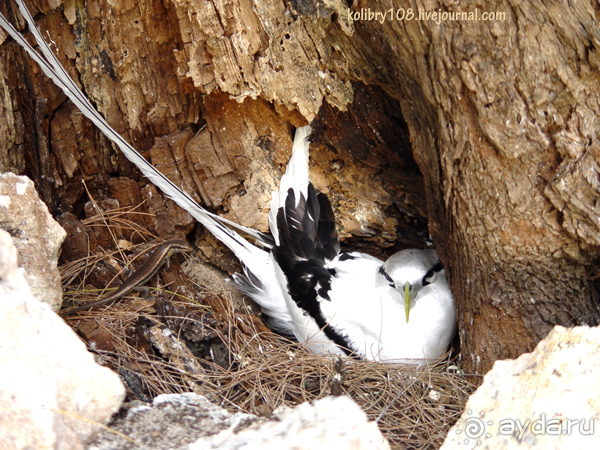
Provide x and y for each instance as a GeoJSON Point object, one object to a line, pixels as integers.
{"type": "Point", "coordinates": [483, 134]}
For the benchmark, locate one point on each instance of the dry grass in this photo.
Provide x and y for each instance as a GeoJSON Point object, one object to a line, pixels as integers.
{"type": "Point", "coordinates": [238, 365]}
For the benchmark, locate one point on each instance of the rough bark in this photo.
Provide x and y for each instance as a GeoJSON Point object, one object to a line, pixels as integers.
{"type": "Point", "coordinates": [502, 117]}
{"type": "Point", "coordinates": [504, 120]}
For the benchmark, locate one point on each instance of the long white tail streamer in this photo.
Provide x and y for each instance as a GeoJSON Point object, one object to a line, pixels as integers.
{"type": "Point", "coordinates": [55, 71]}
{"type": "Point", "coordinates": [263, 283]}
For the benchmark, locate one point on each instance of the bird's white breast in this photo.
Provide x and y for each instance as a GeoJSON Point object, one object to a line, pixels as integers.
{"type": "Point", "coordinates": [373, 318]}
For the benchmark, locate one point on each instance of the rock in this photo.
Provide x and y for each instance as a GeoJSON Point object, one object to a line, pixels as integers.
{"type": "Point", "coordinates": [53, 394]}
{"type": "Point", "coordinates": [546, 399]}
{"type": "Point", "coordinates": [191, 422]}
{"type": "Point", "coordinates": [11, 276]}
{"type": "Point", "coordinates": [35, 234]}
{"type": "Point", "coordinates": [170, 422]}
{"type": "Point", "coordinates": [331, 422]}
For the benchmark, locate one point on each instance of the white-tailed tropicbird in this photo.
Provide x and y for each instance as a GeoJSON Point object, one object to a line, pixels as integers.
{"type": "Point", "coordinates": [336, 302]}
{"type": "Point", "coordinates": [347, 302]}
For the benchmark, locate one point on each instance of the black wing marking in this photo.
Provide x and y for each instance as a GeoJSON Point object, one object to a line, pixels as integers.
{"type": "Point", "coordinates": [327, 238]}
{"type": "Point", "coordinates": [308, 239]}
{"type": "Point", "coordinates": [308, 226]}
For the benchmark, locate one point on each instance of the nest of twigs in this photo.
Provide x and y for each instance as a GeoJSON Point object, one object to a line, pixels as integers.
{"type": "Point", "coordinates": [173, 343]}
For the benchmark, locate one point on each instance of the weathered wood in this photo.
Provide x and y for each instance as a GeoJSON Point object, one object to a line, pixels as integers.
{"type": "Point", "coordinates": [501, 113]}
{"type": "Point", "coordinates": [502, 117]}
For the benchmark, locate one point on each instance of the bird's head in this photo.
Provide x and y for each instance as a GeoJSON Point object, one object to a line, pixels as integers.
{"type": "Point", "coordinates": [408, 271]}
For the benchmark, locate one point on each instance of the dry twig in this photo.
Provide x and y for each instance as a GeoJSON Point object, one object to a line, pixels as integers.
{"type": "Point", "coordinates": [246, 369]}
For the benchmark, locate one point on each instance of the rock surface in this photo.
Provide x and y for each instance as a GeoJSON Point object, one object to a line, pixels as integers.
{"type": "Point", "coordinates": [52, 393]}
{"type": "Point", "coordinates": [191, 422]}
{"type": "Point", "coordinates": [546, 399]}
{"type": "Point", "coordinates": [35, 234]}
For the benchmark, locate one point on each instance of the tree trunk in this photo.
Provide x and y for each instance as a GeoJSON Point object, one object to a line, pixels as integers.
{"type": "Point", "coordinates": [486, 128]}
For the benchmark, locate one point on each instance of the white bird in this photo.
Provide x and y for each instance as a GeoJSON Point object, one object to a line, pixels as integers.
{"type": "Point", "coordinates": [347, 303]}
{"type": "Point", "coordinates": [344, 303]}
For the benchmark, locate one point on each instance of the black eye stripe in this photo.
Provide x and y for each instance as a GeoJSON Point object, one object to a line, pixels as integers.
{"type": "Point", "coordinates": [438, 267]}
{"type": "Point", "coordinates": [387, 277]}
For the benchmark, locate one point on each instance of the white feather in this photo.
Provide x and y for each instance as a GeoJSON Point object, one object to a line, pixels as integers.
{"type": "Point", "coordinates": [295, 177]}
